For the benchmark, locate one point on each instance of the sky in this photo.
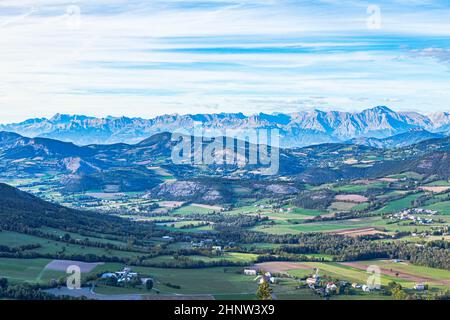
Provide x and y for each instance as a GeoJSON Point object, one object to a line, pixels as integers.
{"type": "Point", "coordinates": [145, 58]}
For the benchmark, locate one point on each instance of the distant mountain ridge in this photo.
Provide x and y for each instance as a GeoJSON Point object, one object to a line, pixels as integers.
{"type": "Point", "coordinates": [147, 165]}
{"type": "Point", "coordinates": [296, 129]}
{"type": "Point", "coordinates": [398, 141]}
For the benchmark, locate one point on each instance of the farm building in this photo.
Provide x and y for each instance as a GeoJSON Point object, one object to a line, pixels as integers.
{"type": "Point", "coordinates": [126, 275]}
{"type": "Point", "coordinates": [419, 287]}
{"type": "Point", "coordinates": [250, 272]}
{"type": "Point", "coordinates": [365, 288]}
{"type": "Point", "coordinates": [313, 281]}
{"type": "Point", "coordinates": [331, 287]}
{"type": "Point", "coordinates": [264, 278]}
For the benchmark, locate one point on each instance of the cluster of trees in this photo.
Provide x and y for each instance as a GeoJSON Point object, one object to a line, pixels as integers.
{"type": "Point", "coordinates": [264, 291]}
{"type": "Point", "coordinates": [18, 212]}
{"type": "Point", "coordinates": [428, 199]}
{"type": "Point", "coordinates": [283, 256]}
{"type": "Point", "coordinates": [350, 249]}
{"type": "Point", "coordinates": [183, 262]}
{"type": "Point", "coordinates": [399, 293]}
{"type": "Point", "coordinates": [319, 200]}
{"type": "Point", "coordinates": [132, 283]}
{"type": "Point", "coordinates": [7, 249]}
{"type": "Point", "coordinates": [345, 248]}
{"type": "Point", "coordinates": [67, 238]}
{"type": "Point", "coordinates": [64, 256]}
{"type": "Point", "coordinates": [27, 291]}
{"type": "Point", "coordinates": [239, 220]}
{"type": "Point", "coordinates": [396, 290]}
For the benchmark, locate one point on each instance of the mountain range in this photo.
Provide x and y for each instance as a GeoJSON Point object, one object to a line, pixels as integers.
{"type": "Point", "coordinates": [296, 129]}
{"type": "Point", "coordinates": [399, 140]}
{"type": "Point", "coordinates": [148, 165]}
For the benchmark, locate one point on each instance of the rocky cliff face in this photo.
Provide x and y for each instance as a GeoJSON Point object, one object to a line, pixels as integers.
{"type": "Point", "coordinates": [296, 129]}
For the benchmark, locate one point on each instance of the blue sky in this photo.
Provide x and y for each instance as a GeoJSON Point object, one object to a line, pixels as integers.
{"type": "Point", "coordinates": [144, 58]}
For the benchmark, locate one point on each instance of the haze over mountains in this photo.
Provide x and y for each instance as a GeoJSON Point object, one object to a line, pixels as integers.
{"type": "Point", "coordinates": [296, 129]}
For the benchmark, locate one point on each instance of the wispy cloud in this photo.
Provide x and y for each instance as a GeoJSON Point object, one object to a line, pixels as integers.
{"type": "Point", "coordinates": [440, 54]}
{"type": "Point", "coordinates": [150, 57]}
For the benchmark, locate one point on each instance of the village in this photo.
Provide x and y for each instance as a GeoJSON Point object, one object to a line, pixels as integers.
{"type": "Point", "coordinates": [126, 277]}
{"type": "Point", "coordinates": [412, 215]}
{"type": "Point", "coordinates": [324, 286]}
